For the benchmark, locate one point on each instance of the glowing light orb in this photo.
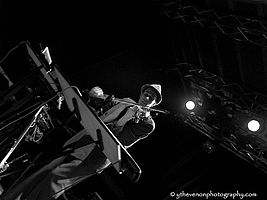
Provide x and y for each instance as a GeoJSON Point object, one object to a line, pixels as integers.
{"type": "Point", "coordinates": [190, 105]}
{"type": "Point", "coordinates": [253, 125]}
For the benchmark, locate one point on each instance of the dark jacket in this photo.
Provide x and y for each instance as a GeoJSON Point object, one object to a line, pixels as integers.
{"type": "Point", "coordinates": [131, 131]}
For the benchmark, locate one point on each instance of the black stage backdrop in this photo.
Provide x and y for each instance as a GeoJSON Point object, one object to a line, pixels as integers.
{"type": "Point", "coordinates": [121, 45]}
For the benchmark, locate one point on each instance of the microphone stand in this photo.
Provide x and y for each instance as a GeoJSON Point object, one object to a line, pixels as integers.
{"type": "Point", "coordinates": [3, 164]}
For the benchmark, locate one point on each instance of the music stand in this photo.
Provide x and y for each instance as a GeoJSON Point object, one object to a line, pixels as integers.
{"type": "Point", "coordinates": [109, 144]}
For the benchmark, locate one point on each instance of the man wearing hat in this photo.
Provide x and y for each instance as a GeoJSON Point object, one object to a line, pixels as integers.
{"type": "Point", "coordinates": [128, 120]}
{"type": "Point", "coordinates": [131, 121]}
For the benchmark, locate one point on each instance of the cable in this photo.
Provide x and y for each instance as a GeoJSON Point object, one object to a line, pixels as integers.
{"type": "Point", "coordinates": [27, 113]}
{"type": "Point", "coordinates": [19, 114]}
{"type": "Point", "coordinates": [7, 54]}
{"type": "Point", "coordinates": [24, 172]}
{"type": "Point", "coordinates": [45, 102]}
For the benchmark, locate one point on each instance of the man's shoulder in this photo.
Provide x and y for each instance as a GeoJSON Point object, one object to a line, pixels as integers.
{"type": "Point", "coordinates": [128, 99]}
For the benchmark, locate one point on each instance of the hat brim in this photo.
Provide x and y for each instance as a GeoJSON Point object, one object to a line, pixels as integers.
{"type": "Point", "coordinates": [159, 97]}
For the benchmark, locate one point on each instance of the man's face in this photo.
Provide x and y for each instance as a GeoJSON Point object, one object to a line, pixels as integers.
{"type": "Point", "coordinates": [148, 98]}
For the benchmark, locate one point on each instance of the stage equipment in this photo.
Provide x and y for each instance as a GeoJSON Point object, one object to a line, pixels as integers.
{"type": "Point", "coordinates": [253, 125]}
{"type": "Point", "coordinates": [39, 125]}
{"type": "Point", "coordinates": [231, 116]}
{"type": "Point", "coordinates": [42, 109]}
{"type": "Point", "coordinates": [236, 27]}
{"type": "Point", "coordinates": [190, 105]}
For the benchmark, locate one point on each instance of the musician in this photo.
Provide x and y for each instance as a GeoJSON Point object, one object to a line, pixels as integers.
{"type": "Point", "coordinates": [128, 120]}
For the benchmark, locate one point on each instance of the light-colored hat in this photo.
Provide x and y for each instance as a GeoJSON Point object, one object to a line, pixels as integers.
{"type": "Point", "coordinates": [157, 89]}
{"type": "Point", "coordinates": [96, 92]}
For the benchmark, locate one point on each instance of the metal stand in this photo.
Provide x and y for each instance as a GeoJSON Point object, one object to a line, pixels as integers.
{"type": "Point", "coordinates": [4, 165]}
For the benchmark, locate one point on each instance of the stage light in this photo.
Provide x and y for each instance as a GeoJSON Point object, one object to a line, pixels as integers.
{"type": "Point", "coordinates": [190, 105]}
{"type": "Point", "coordinates": [253, 125]}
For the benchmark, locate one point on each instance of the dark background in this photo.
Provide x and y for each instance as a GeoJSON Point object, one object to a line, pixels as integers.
{"type": "Point", "coordinates": [121, 45]}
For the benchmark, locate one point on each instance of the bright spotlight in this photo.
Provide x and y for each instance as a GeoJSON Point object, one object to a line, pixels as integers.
{"type": "Point", "coordinates": [190, 105]}
{"type": "Point", "coordinates": [253, 125]}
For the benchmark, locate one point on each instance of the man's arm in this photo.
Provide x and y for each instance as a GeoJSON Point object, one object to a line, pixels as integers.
{"type": "Point", "coordinates": [131, 132]}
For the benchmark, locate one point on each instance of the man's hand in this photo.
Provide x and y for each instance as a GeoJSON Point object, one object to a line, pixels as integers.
{"type": "Point", "coordinates": [129, 115]}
